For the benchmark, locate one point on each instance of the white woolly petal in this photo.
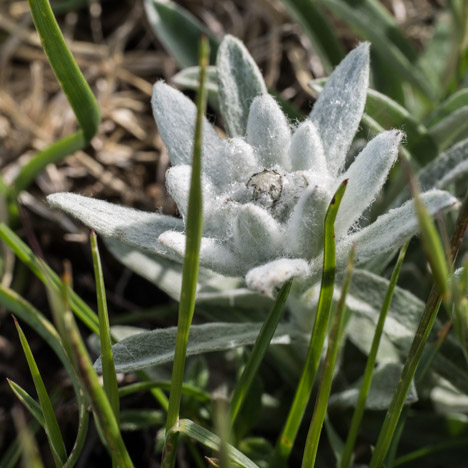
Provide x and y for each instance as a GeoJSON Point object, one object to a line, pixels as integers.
{"type": "Point", "coordinates": [256, 234]}
{"type": "Point", "coordinates": [338, 109]}
{"type": "Point", "coordinates": [133, 227]}
{"type": "Point", "coordinates": [391, 230]}
{"type": "Point", "coordinates": [366, 176]}
{"type": "Point", "coordinates": [175, 115]}
{"type": "Point", "coordinates": [240, 81]}
{"type": "Point", "coordinates": [239, 161]}
{"type": "Point", "coordinates": [268, 132]}
{"type": "Point", "coordinates": [306, 151]}
{"type": "Point", "coordinates": [178, 186]}
{"type": "Point", "coordinates": [304, 234]}
{"type": "Point", "coordinates": [266, 279]}
{"type": "Point", "coordinates": [213, 255]}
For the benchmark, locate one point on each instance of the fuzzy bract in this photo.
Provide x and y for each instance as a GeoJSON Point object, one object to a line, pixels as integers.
{"type": "Point", "coordinates": [267, 186]}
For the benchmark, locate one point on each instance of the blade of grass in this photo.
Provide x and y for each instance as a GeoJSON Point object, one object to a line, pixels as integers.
{"type": "Point", "coordinates": [416, 350]}
{"type": "Point", "coordinates": [52, 429]}
{"type": "Point", "coordinates": [288, 435]}
{"type": "Point", "coordinates": [258, 353]}
{"type": "Point", "coordinates": [368, 372]}
{"type": "Point", "coordinates": [210, 440]}
{"type": "Point", "coordinates": [108, 368]}
{"type": "Point", "coordinates": [79, 307]}
{"type": "Point", "coordinates": [74, 86]}
{"type": "Point", "coordinates": [191, 262]}
{"type": "Point", "coordinates": [27, 443]}
{"type": "Point", "coordinates": [28, 401]}
{"type": "Point", "coordinates": [99, 402]}
{"type": "Point", "coordinates": [321, 404]}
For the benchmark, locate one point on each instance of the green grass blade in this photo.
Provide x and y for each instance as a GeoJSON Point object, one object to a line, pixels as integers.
{"type": "Point", "coordinates": [191, 262]}
{"type": "Point", "coordinates": [26, 256]}
{"type": "Point", "coordinates": [432, 245]}
{"type": "Point", "coordinates": [321, 404]}
{"type": "Point", "coordinates": [28, 401]}
{"type": "Point", "coordinates": [296, 413]}
{"type": "Point", "coordinates": [368, 372]}
{"type": "Point", "coordinates": [26, 442]}
{"type": "Point", "coordinates": [417, 348]}
{"type": "Point", "coordinates": [319, 31]}
{"type": "Point", "coordinates": [66, 70]}
{"type": "Point", "coordinates": [212, 441]}
{"type": "Point", "coordinates": [99, 402]}
{"type": "Point", "coordinates": [108, 368]}
{"type": "Point", "coordinates": [187, 389]}
{"type": "Point", "coordinates": [54, 435]}
{"type": "Point", "coordinates": [52, 154]}
{"type": "Point", "coordinates": [258, 352]}
{"type": "Point", "coordinates": [74, 86]}
{"type": "Point", "coordinates": [11, 455]}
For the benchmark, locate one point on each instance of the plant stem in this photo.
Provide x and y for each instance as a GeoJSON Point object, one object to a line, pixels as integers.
{"type": "Point", "coordinates": [367, 378]}
{"type": "Point", "coordinates": [321, 404]}
{"type": "Point", "coordinates": [296, 413]}
{"type": "Point", "coordinates": [416, 350]}
{"type": "Point", "coordinates": [191, 263]}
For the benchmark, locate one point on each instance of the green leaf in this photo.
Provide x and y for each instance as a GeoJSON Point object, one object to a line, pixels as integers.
{"type": "Point", "coordinates": [157, 346]}
{"type": "Point", "coordinates": [54, 435]}
{"type": "Point", "coordinates": [74, 86]}
{"type": "Point", "coordinates": [187, 389]}
{"type": "Point", "coordinates": [108, 368]}
{"type": "Point", "coordinates": [451, 128]}
{"type": "Point", "coordinates": [212, 441]}
{"type": "Point", "coordinates": [178, 30]}
{"type": "Point", "coordinates": [28, 401]}
{"type": "Point", "coordinates": [318, 29]}
{"type": "Point", "coordinates": [296, 413]}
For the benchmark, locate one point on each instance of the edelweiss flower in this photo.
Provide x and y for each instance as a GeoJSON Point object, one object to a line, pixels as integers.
{"type": "Point", "coordinates": [266, 188]}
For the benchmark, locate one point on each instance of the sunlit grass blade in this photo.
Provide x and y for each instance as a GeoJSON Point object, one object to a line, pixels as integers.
{"type": "Point", "coordinates": [431, 241]}
{"type": "Point", "coordinates": [258, 352]}
{"type": "Point", "coordinates": [26, 256]}
{"type": "Point", "coordinates": [296, 413]}
{"type": "Point", "coordinates": [321, 404]}
{"type": "Point", "coordinates": [108, 368]}
{"type": "Point", "coordinates": [212, 441]}
{"type": "Point", "coordinates": [74, 86]}
{"type": "Point", "coordinates": [27, 443]}
{"type": "Point", "coordinates": [417, 348]}
{"type": "Point", "coordinates": [28, 401]}
{"type": "Point", "coordinates": [187, 389]}
{"type": "Point", "coordinates": [54, 435]}
{"type": "Point", "coordinates": [24, 310]}
{"type": "Point", "coordinates": [194, 227]}
{"type": "Point", "coordinates": [99, 402]}
{"type": "Point", "coordinates": [353, 430]}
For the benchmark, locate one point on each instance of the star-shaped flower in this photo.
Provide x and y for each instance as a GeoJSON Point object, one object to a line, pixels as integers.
{"type": "Point", "coordinates": [267, 186]}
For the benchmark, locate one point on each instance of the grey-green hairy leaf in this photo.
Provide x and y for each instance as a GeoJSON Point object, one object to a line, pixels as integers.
{"type": "Point", "coordinates": [384, 382]}
{"type": "Point", "coordinates": [240, 81]}
{"type": "Point", "coordinates": [157, 346]}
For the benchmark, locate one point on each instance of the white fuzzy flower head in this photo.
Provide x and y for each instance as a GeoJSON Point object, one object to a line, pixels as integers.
{"type": "Point", "coordinates": [267, 186]}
